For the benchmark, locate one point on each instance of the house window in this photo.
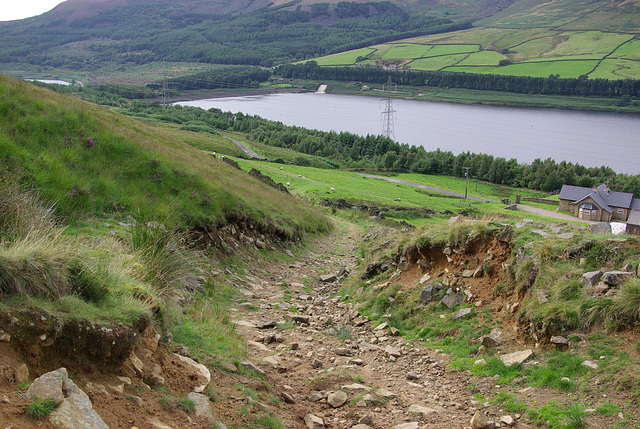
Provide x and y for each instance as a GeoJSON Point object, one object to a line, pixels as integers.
{"type": "Point", "coordinates": [620, 211]}
{"type": "Point", "coordinates": [587, 212]}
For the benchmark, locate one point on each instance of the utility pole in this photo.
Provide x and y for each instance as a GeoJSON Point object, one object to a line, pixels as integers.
{"type": "Point", "coordinates": [387, 118]}
{"type": "Point", "coordinates": [466, 185]}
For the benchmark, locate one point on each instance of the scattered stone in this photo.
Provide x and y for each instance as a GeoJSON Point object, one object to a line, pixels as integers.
{"type": "Point", "coordinates": [394, 331]}
{"type": "Point", "coordinates": [266, 324]}
{"type": "Point", "coordinates": [298, 318]}
{"type": "Point", "coordinates": [493, 339]}
{"type": "Point", "coordinates": [4, 337]}
{"type": "Point", "coordinates": [590, 364]}
{"type": "Point", "coordinates": [361, 426]}
{"type": "Point", "coordinates": [452, 298]}
{"type": "Point", "coordinates": [425, 278]}
{"type": "Point", "coordinates": [507, 420]}
{"type": "Point", "coordinates": [356, 386]}
{"type": "Point", "coordinates": [96, 388]}
{"type": "Point", "coordinates": [419, 409]}
{"type": "Point", "coordinates": [384, 393]}
{"type": "Point", "coordinates": [540, 232]}
{"type": "Point", "coordinates": [428, 293]}
{"type": "Point", "coordinates": [203, 406]}
{"type": "Point", "coordinates": [317, 363]}
{"type": "Point", "coordinates": [337, 399]}
{"type": "Point", "coordinates": [543, 296]}
{"type": "Point", "coordinates": [616, 278]}
{"type": "Point", "coordinates": [313, 422]}
{"type": "Point", "coordinates": [228, 366]}
{"type": "Point", "coordinates": [463, 312]}
{"type": "Point", "coordinates": [516, 357]}
{"type": "Point", "coordinates": [343, 351]}
{"type": "Point", "coordinates": [478, 421]}
{"type": "Point", "coordinates": [201, 376]}
{"type": "Point", "coordinates": [287, 398]}
{"type": "Point", "coordinates": [559, 341]}
{"type": "Point", "coordinates": [467, 274]}
{"type": "Point", "coordinates": [410, 425]}
{"type": "Point", "coordinates": [412, 376]}
{"type": "Point", "coordinates": [381, 326]}
{"type": "Point", "coordinates": [250, 365]}
{"type": "Point", "coordinates": [328, 278]}
{"type": "Point", "coordinates": [316, 397]}
{"type": "Point", "coordinates": [591, 278]}
{"type": "Point", "coordinates": [393, 351]}
{"type": "Point", "coordinates": [506, 235]}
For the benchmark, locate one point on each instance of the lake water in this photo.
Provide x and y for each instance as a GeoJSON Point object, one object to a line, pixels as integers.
{"type": "Point", "coordinates": [59, 82]}
{"type": "Point", "coordinates": [592, 139]}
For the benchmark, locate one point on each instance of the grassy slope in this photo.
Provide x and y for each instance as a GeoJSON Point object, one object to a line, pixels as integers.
{"type": "Point", "coordinates": [92, 162]}
{"type": "Point", "coordinates": [541, 38]}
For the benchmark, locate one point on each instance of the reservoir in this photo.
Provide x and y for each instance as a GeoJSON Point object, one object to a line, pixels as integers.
{"type": "Point", "coordinates": [592, 139]}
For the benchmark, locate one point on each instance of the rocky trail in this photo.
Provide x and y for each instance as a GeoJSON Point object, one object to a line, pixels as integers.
{"type": "Point", "coordinates": [332, 367]}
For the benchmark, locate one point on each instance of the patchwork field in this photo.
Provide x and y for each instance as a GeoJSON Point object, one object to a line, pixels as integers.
{"type": "Point", "coordinates": [568, 38]}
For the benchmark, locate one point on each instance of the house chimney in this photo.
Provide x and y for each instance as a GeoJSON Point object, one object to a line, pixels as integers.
{"type": "Point", "coordinates": [595, 189]}
{"type": "Point", "coordinates": [607, 189]}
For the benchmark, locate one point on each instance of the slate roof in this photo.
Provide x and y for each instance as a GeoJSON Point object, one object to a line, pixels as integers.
{"type": "Point", "coordinates": [635, 204]}
{"type": "Point", "coordinates": [634, 217]}
{"type": "Point", "coordinates": [604, 199]}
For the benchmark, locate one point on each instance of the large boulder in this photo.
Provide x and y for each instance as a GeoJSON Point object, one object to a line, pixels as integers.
{"type": "Point", "coordinates": [75, 410]}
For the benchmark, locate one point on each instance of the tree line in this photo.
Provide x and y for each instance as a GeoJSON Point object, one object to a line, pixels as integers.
{"type": "Point", "coordinates": [551, 85]}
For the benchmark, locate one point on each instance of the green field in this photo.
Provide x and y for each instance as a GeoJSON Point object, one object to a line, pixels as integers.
{"type": "Point", "coordinates": [344, 58]}
{"type": "Point", "coordinates": [436, 63]}
{"type": "Point", "coordinates": [565, 69]}
{"type": "Point", "coordinates": [537, 39]}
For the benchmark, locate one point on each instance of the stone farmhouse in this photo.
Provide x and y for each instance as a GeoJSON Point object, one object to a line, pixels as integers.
{"type": "Point", "coordinates": [600, 204]}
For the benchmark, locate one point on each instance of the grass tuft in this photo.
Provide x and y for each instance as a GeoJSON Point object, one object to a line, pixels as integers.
{"type": "Point", "coordinates": [39, 408]}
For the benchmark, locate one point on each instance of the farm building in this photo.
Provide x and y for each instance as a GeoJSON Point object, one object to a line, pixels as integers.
{"type": "Point", "coordinates": [600, 204]}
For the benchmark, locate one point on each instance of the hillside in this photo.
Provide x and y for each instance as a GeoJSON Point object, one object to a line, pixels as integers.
{"type": "Point", "coordinates": [568, 38]}
{"type": "Point", "coordinates": [91, 161]}
{"type": "Point", "coordinates": [164, 286]}
{"type": "Point", "coordinates": [83, 37]}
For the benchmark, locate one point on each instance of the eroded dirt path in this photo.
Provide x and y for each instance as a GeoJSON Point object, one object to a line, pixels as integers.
{"type": "Point", "coordinates": [325, 346]}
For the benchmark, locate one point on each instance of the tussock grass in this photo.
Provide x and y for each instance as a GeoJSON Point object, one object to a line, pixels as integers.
{"type": "Point", "coordinates": [165, 259]}
{"type": "Point", "coordinates": [626, 304]}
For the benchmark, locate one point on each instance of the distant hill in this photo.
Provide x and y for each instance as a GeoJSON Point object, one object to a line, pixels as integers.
{"type": "Point", "coordinates": [564, 38]}
{"type": "Point", "coordinates": [83, 35]}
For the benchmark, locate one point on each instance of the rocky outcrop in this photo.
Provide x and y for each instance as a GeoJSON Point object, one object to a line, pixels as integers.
{"type": "Point", "coordinates": [74, 408]}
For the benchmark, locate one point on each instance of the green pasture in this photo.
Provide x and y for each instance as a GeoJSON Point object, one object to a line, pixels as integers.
{"type": "Point", "coordinates": [407, 50]}
{"type": "Point", "coordinates": [591, 42]}
{"type": "Point", "coordinates": [344, 58]}
{"type": "Point", "coordinates": [629, 50]}
{"type": "Point", "coordinates": [617, 69]}
{"type": "Point", "coordinates": [530, 34]}
{"type": "Point", "coordinates": [483, 58]}
{"type": "Point", "coordinates": [565, 69]}
{"type": "Point", "coordinates": [436, 63]}
{"type": "Point", "coordinates": [315, 184]}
